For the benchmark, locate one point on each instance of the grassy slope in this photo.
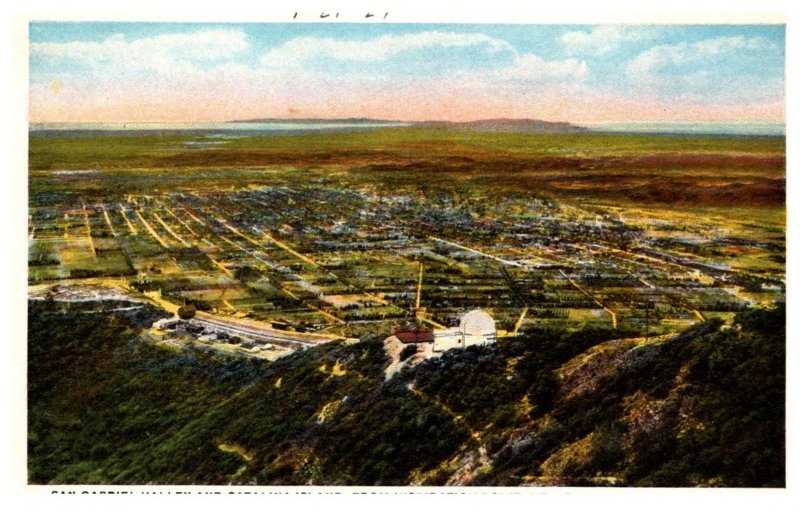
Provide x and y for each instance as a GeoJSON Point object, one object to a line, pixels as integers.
{"type": "Point", "coordinates": [702, 408]}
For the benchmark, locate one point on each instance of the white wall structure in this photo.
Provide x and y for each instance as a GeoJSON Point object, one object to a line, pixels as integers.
{"type": "Point", "coordinates": [444, 339]}
{"type": "Point", "coordinates": [475, 328]}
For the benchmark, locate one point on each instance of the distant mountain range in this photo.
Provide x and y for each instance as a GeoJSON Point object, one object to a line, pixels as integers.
{"type": "Point", "coordinates": [484, 125]}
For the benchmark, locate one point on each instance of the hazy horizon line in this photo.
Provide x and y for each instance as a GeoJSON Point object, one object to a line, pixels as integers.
{"type": "Point", "coordinates": [405, 121]}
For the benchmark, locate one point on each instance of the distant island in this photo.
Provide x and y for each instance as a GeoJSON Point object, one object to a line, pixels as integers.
{"type": "Point", "coordinates": [313, 120]}
{"type": "Point", "coordinates": [484, 125]}
{"type": "Point", "coordinates": [510, 126]}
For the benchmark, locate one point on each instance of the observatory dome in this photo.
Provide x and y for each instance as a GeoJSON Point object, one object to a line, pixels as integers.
{"type": "Point", "coordinates": [478, 323]}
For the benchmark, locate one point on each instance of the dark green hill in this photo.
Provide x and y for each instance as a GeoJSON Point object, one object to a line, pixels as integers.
{"type": "Point", "coordinates": [702, 408]}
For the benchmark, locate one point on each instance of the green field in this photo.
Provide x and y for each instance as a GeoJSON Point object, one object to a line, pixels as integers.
{"type": "Point", "coordinates": [316, 230]}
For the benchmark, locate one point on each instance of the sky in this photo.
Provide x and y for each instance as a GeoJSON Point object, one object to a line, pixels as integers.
{"type": "Point", "coordinates": [198, 72]}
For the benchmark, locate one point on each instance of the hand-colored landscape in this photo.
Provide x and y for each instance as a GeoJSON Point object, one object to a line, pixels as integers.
{"type": "Point", "coordinates": [347, 301]}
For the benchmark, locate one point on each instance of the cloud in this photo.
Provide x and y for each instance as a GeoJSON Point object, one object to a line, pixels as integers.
{"type": "Point", "coordinates": [145, 53]}
{"type": "Point", "coordinates": [485, 66]}
{"type": "Point", "coordinates": [535, 68]}
{"type": "Point", "coordinates": [728, 44]}
{"type": "Point", "coordinates": [603, 39]}
{"type": "Point", "coordinates": [723, 72]}
{"type": "Point", "coordinates": [211, 75]}
{"type": "Point", "coordinates": [671, 56]}
{"type": "Point", "coordinates": [425, 75]}
{"type": "Point", "coordinates": [297, 51]}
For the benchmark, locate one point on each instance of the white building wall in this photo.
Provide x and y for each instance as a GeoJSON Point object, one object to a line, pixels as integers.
{"type": "Point", "coordinates": [453, 338]}
{"type": "Point", "coordinates": [476, 328]}
{"type": "Point", "coordinates": [479, 339]}
{"type": "Point", "coordinates": [444, 339]}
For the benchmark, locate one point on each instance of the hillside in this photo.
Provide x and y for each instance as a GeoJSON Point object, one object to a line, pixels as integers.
{"type": "Point", "coordinates": [705, 407]}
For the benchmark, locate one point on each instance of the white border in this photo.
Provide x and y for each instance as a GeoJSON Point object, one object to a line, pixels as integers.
{"type": "Point", "coordinates": [14, 203]}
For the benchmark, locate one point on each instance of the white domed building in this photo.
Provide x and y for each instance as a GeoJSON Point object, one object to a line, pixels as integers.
{"type": "Point", "coordinates": [475, 328]}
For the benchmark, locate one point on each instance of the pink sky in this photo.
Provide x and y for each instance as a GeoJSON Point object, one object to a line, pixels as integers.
{"type": "Point", "coordinates": [58, 104]}
{"type": "Point", "coordinates": [592, 74]}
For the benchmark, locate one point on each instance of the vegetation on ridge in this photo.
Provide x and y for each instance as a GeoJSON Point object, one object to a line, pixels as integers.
{"type": "Point", "coordinates": [705, 407]}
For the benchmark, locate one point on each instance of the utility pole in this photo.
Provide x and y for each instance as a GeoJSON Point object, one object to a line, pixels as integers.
{"type": "Point", "coordinates": [647, 308]}
{"type": "Point", "coordinates": [419, 286]}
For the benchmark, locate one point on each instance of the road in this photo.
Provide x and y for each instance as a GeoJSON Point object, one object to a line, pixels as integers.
{"type": "Point", "coordinates": [261, 333]}
{"type": "Point", "coordinates": [590, 296]}
{"type": "Point", "coordinates": [503, 261]}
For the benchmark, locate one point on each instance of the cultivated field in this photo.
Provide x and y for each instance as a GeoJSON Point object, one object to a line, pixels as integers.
{"type": "Point", "coordinates": [327, 232]}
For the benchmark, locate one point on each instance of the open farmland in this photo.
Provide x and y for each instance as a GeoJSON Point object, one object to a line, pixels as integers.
{"type": "Point", "coordinates": [328, 232]}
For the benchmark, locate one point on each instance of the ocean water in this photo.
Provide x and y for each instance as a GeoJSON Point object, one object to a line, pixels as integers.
{"type": "Point", "coordinates": [211, 126]}
{"type": "Point", "coordinates": [753, 128]}
{"type": "Point", "coordinates": [234, 129]}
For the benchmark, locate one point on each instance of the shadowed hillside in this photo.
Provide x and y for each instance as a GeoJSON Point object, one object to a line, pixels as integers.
{"type": "Point", "coordinates": [705, 407]}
